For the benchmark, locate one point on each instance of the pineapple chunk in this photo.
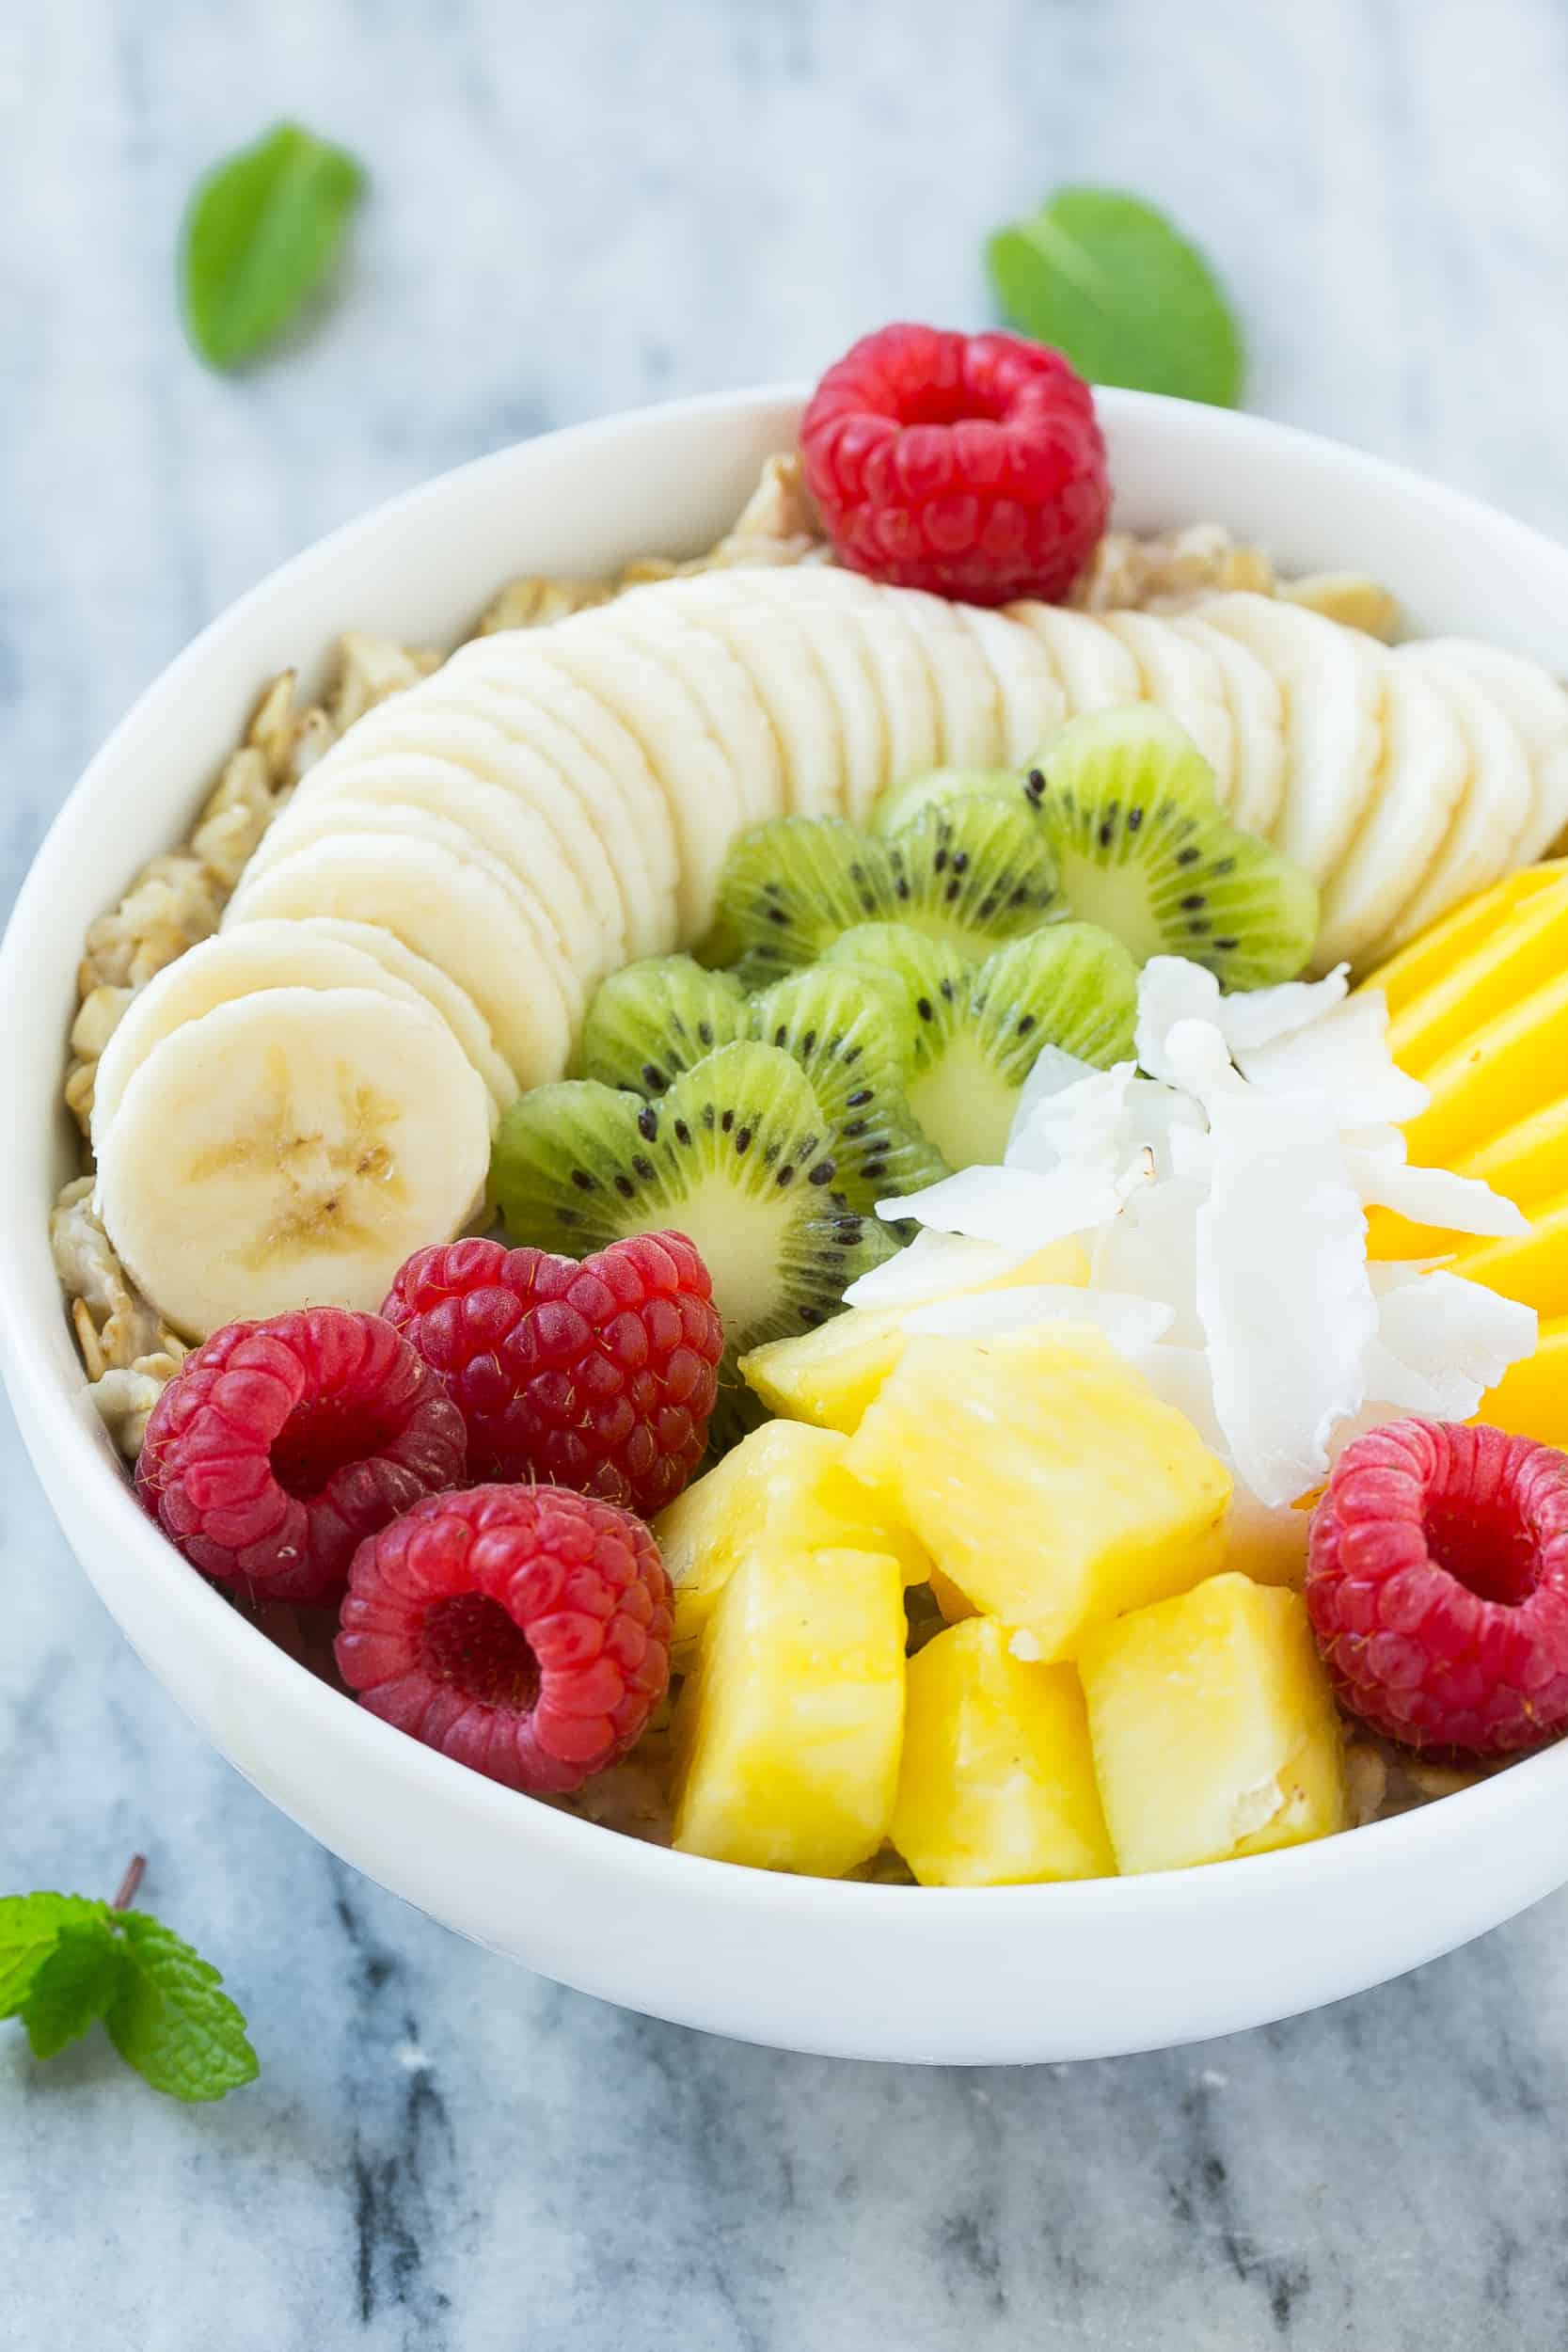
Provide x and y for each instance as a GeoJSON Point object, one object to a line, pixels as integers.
{"type": "Point", "coordinates": [954, 1605]}
{"type": "Point", "coordinates": [830, 1376]}
{"type": "Point", "coordinates": [1044, 1477]}
{"type": "Point", "coordinates": [780, 1491]}
{"type": "Point", "coordinates": [997, 1784]}
{"type": "Point", "coordinates": [1213, 1727]}
{"type": "Point", "coordinates": [788, 1734]}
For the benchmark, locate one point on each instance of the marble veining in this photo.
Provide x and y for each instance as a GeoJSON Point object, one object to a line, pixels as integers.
{"type": "Point", "coordinates": [580, 207]}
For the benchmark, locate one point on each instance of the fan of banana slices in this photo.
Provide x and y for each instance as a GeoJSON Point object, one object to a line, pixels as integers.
{"type": "Point", "coordinates": [289, 1109]}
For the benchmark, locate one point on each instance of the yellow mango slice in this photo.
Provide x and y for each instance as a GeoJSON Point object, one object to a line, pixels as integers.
{"type": "Point", "coordinates": [1213, 1727]}
{"type": "Point", "coordinates": [1504, 1071]}
{"type": "Point", "coordinates": [1528, 1161]}
{"type": "Point", "coordinates": [789, 1735]}
{"type": "Point", "coordinates": [783, 1490]}
{"type": "Point", "coordinates": [997, 1785]}
{"type": "Point", "coordinates": [1517, 956]}
{"type": "Point", "coordinates": [1531, 1398]}
{"type": "Point", "coordinates": [1044, 1478]}
{"type": "Point", "coordinates": [1532, 1267]}
{"type": "Point", "coordinates": [1426, 959]}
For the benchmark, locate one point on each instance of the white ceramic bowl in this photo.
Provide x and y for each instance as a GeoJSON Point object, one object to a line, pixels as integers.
{"type": "Point", "coordinates": [1011, 1974]}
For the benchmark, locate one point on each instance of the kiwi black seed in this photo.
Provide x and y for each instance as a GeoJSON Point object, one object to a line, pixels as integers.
{"type": "Point", "coordinates": [1129, 805]}
{"type": "Point", "coordinates": [974, 872]}
{"type": "Point", "coordinates": [971, 1033]}
{"type": "Point", "coordinates": [789, 888]}
{"type": "Point", "coordinates": [653, 1020]}
{"type": "Point", "coordinates": [842, 1026]}
{"type": "Point", "coordinates": [736, 1155]}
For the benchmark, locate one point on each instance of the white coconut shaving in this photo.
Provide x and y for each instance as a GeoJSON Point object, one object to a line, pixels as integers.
{"type": "Point", "coordinates": [1219, 1186]}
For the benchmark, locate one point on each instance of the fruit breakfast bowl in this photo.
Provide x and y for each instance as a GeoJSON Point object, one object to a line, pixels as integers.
{"type": "Point", "coordinates": [932, 1974]}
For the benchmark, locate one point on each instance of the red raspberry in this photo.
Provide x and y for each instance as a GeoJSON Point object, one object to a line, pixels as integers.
{"type": "Point", "coordinates": [279, 1446]}
{"type": "Point", "coordinates": [1438, 1584]}
{"type": "Point", "coordinates": [971, 464]}
{"type": "Point", "coordinates": [599, 1377]}
{"type": "Point", "coordinates": [522, 1630]}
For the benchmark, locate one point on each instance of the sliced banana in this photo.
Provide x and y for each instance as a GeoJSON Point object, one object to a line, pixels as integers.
{"type": "Point", "coordinates": [729, 701]}
{"type": "Point", "coordinates": [829, 628]}
{"type": "Point", "coordinates": [1331, 685]}
{"type": "Point", "coordinates": [1423, 771]}
{"type": "Point", "coordinates": [456, 1008]}
{"type": "Point", "coordinates": [1481, 840]}
{"type": "Point", "coordinates": [443, 906]}
{"type": "Point", "coordinates": [964, 691]}
{"type": "Point", "coordinates": [292, 1149]}
{"type": "Point", "coordinates": [1031, 702]}
{"type": "Point", "coordinates": [1258, 717]}
{"type": "Point", "coordinates": [902, 728]}
{"type": "Point", "coordinates": [1095, 668]}
{"type": "Point", "coordinates": [1183, 677]}
{"type": "Point", "coordinates": [1537, 707]}
{"type": "Point", "coordinates": [771, 648]}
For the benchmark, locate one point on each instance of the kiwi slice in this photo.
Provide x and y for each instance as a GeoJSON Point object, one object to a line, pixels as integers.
{"type": "Point", "coordinates": [652, 1020]}
{"type": "Point", "coordinates": [735, 1155]}
{"type": "Point", "coordinates": [902, 802]}
{"type": "Point", "coordinates": [841, 1024]}
{"type": "Point", "coordinates": [973, 1032]}
{"type": "Point", "coordinates": [1142, 846]}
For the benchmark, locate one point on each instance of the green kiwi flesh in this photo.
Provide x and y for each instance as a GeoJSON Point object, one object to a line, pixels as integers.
{"type": "Point", "coordinates": [652, 1020]}
{"type": "Point", "coordinates": [903, 803]}
{"type": "Point", "coordinates": [841, 1025]}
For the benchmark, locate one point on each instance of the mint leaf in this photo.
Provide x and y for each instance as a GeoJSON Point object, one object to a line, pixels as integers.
{"type": "Point", "coordinates": [73, 1987]}
{"type": "Point", "coordinates": [30, 1927]}
{"type": "Point", "coordinates": [262, 231]}
{"type": "Point", "coordinates": [168, 2018]}
{"type": "Point", "coordinates": [1108, 281]}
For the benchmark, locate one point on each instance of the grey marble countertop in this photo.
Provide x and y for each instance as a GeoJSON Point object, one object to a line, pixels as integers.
{"type": "Point", "coordinates": [577, 207]}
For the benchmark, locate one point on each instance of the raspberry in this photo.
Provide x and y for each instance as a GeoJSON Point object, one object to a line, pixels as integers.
{"type": "Point", "coordinates": [599, 1377]}
{"type": "Point", "coordinates": [1438, 1584]}
{"type": "Point", "coordinates": [279, 1446]}
{"type": "Point", "coordinates": [972, 465]}
{"type": "Point", "coordinates": [522, 1630]}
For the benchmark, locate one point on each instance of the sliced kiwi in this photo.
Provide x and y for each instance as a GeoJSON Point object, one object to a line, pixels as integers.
{"type": "Point", "coordinates": [735, 1155]}
{"type": "Point", "coordinates": [971, 1033]}
{"type": "Point", "coordinates": [843, 1024]}
{"type": "Point", "coordinates": [1142, 846]}
{"type": "Point", "coordinates": [974, 872]}
{"type": "Point", "coordinates": [902, 802]}
{"type": "Point", "coordinates": [655, 1019]}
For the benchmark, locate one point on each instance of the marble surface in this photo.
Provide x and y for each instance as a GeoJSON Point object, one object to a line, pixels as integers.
{"type": "Point", "coordinates": [577, 207]}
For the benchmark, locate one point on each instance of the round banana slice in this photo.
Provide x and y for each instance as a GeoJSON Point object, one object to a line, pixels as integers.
{"type": "Point", "coordinates": [1480, 842]}
{"type": "Point", "coordinates": [1330, 681]}
{"type": "Point", "coordinates": [771, 648]}
{"type": "Point", "coordinates": [1537, 707]}
{"type": "Point", "coordinates": [220, 970]}
{"type": "Point", "coordinates": [1424, 769]}
{"type": "Point", "coordinates": [1031, 704]}
{"type": "Point", "coordinates": [443, 906]}
{"type": "Point", "coordinates": [900, 735]}
{"type": "Point", "coordinates": [1258, 717]}
{"type": "Point", "coordinates": [729, 701]}
{"type": "Point", "coordinates": [838, 649]}
{"type": "Point", "coordinates": [1095, 668]}
{"type": "Point", "coordinates": [1182, 678]}
{"type": "Point", "coordinates": [570, 806]}
{"type": "Point", "coordinates": [291, 1148]}
{"type": "Point", "coordinates": [456, 1008]}
{"type": "Point", "coordinates": [963, 692]}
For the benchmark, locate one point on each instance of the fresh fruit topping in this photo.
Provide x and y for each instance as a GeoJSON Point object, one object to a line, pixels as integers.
{"type": "Point", "coordinates": [969, 465]}
{"type": "Point", "coordinates": [782, 1491]}
{"type": "Point", "coordinates": [736, 1155]}
{"type": "Point", "coordinates": [996, 1787]}
{"type": "Point", "coordinates": [788, 1733]}
{"type": "Point", "coordinates": [521, 1630]}
{"type": "Point", "coordinates": [1471, 924]}
{"type": "Point", "coordinates": [1213, 1727]}
{"type": "Point", "coordinates": [1044, 1477]}
{"type": "Point", "coordinates": [650, 1021]}
{"type": "Point", "coordinates": [970, 1034]}
{"type": "Point", "coordinates": [936, 789]}
{"type": "Point", "coordinates": [1141, 847]}
{"type": "Point", "coordinates": [850, 1041]}
{"type": "Point", "coordinates": [279, 1446]}
{"type": "Point", "coordinates": [599, 1377]}
{"type": "Point", "coordinates": [1437, 1582]}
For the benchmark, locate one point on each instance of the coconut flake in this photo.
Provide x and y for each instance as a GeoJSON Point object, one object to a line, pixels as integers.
{"type": "Point", "coordinates": [1012, 1206]}
{"type": "Point", "coordinates": [1432, 1195]}
{"type": "Point", "coordinates": [1199, 1062]}
{"type": "Point", "coordinates": [1150, 1252]}
{"type": "Point", "coordinates": [1343, 1056]}
{"type": "Point", "coordinates": [1171, 990]}
{"type": "Point", "coordinates": [1455, 1337]}
{"type": "Point", "coordinates": [933, 1265]}
{"type": "Point", "coordinates": [1258, 1015]}
{"type": "Point", "coordinates": [1087, 1124]}
{"type": "Point", "coordinates": [1053, 1072]}
{"type": "Point", "coordinates": [1130, 1323]}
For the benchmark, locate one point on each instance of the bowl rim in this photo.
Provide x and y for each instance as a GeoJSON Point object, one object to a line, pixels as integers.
{"type": "Point", "coordinates": [276, 1678]}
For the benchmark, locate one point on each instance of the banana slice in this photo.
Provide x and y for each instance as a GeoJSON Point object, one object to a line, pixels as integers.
{"type": "Point", "coordinates": [1095, 668]}
{"type": "Point", "coordinates": [903, 734]}
{"type": "Point", "coordinates": [1331, 684]}
{"type": "Point", "coordinates": [1537, 706]}
{"type": "Point", "coordinates": [220, 971]}
{"type": "Point", "coordinates": [964, 693]}
{"type": "Point", "coordinates": [1183, 678]}
{"type": "Point", "coordinates": [441, 905]}
{"type": "Point", "coordinates": [1258, 717]}
{"type": "Point", "coordinates": [771, 648]}
{"type": "Point", "coordinates": [1031, 703]}
{"type": "Point", "coordinates": [1423, 771]}
{"type": "Point", "coordinates": [291, 1148]}
{"type": "Point", "coordinates": [830, 629]}
{"type": "Point", "coordinates": [513, 834]}
{"type": "Point", "coordinates": [1481, 840]}
{"type": "Point", "coordinates": [456, 1008]}
{"type": "Point", "coordinates": [729, 701]}
{"type": "Point", "coordinates": [570, 806]}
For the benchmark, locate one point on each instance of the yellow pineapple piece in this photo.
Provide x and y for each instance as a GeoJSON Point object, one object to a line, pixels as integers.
{"type": "Point", "coordinates": [782, 1490]}
{"type": "Point", "coordinates": [1427, 958]}
{"type": "Point", "coordinates": [1510, 962]}
{"type": "Point", "coordinates": [1213, 1727]}
{"type": "Point", "coordinates": [1531, 1398]}
{"type": "Point", "coordinates": [829, 1375]}
{"type": "Point", "coordinates": [789, 1732]}
{"type": "Point", "coordinates": [1044, 1477]}
{"type": "Point", "coordinates": [955, 1606]}
{"type": "Point", "coordinates": [997, 1783]}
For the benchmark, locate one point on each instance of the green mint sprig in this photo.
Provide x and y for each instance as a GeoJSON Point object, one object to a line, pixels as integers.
{"type": "Point", "coordinates": [1111, 282]}
{"type": "Point", "coordinates": [66, 1962]}
{"type": "Point", "coordinates": [261, 234]}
